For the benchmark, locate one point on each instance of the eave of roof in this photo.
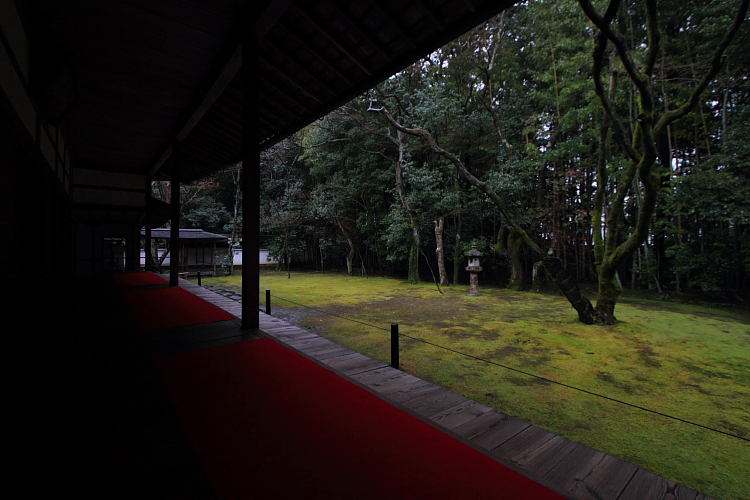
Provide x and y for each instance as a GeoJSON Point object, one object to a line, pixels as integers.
{"type": "Point", "coordinates": [124, 79]}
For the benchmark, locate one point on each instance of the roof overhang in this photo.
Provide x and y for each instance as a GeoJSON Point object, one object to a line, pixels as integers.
{"type": "Point", "coordinates": [120, 82]}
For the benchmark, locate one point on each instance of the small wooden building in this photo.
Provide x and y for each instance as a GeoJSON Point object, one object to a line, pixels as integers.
{"type": "Point", "coordinates": [199, 250]}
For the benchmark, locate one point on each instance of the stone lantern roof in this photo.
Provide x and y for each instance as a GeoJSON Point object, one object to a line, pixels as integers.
{"type": "Point", "coordinates": [473, 256]}
{"type": "Point", "coordinates": [473, 252]}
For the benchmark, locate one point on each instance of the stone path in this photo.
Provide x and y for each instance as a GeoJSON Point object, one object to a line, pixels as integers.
{"type": "Point", "coordinates": [230, 294]}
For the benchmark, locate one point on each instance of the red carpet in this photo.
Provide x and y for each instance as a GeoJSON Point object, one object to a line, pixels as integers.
{"type": "Point", "coordinates": [268, 423]}
{"type": "Point", "coordinates": [163, 308]}
{"type": "Point", "coordinates": [125, 280]}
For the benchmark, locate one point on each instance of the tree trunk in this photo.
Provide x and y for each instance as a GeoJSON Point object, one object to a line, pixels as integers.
{"type": "Point", "coordinates": [320, 253]}
{"type": "Point", "coordinates": [457, 247]}
{"type": "Point", "coordinates": [536, 278]}
{"type": "Point", "coordinates": [513, 254]}
{"type": "Point", "coordinates": [413, 276]}
{"type": "Point", "coordinates": [641, 148]}
{"type": "Point", "coordinates": [234, 237]}
{"type": "Point", "coordinates": [155, 254]}
{"type": "Point", "coordinates": [282, 256]}
{"type": "Point", "coordinates": [499, 246]}
{"type": "Point", "coordinates": [569, 288]}
{"type": "Point", "coordinates": [439, 252]}
{"type": "Point", "coordinates": [164, 255]}
{"type": "Point", "coordinates": [610, 289]}
{"type": "Point", "coordinates": [288, 263]}
{"type": "Point", "coordinates": [350, 258]}
{"type": "Point", "coordinates": [364, 266]}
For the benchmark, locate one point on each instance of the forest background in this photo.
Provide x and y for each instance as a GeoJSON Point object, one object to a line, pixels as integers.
{"type": "Point", "coordinates": [555, 124]}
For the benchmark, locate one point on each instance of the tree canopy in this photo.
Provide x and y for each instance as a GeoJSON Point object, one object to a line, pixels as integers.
{"type": "Point", "coordinates": [602, 140]}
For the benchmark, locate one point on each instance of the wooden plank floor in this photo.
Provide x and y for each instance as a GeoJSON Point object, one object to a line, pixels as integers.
{"type": "Point", "coordinates": [580, 471]}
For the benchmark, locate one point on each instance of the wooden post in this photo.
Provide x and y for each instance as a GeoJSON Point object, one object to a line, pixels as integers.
{"type": "Point", "coordinates": [147, 246]}
{"type": "Point", "coordinates": [394, 346]}
{"type": "Point", "coordinates": [268, 302]}
{"type": "Point", "coordinates": [93, 250]}
{"type": "Point", "coordinates": [174, 240]}
{"type": "Point", "coordinates": [250, 182]}
{"type": "Point", "coordinates": [133, 249]}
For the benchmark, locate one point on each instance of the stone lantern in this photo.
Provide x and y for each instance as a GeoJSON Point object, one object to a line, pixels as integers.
{"type": "Point", "coordinates": [473, 269]}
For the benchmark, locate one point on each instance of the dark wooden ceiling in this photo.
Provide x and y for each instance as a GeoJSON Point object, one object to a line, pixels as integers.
{"type": "Point", "coordinates": [123, 79]}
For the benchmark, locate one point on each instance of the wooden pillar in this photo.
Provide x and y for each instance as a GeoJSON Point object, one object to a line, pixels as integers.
{"type": "Point", "coordinates": [174, 240]}
{"type": "Point", "coordinates": [133, 249]}
{"type": "Point", "coordinates": [148, 243]}
{"type": "Point", "coordinates": [250, 183]}
{"type": "Point", "coordinates": [93, 250]}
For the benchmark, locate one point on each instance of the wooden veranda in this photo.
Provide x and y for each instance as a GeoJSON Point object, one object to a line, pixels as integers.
{"type": "Point", "coordinates": [94, 418]}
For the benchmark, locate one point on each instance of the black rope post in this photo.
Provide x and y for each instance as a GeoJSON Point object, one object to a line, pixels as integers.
{"type": "Point", "coordinates": [199, 278]}
{"type": "Point", "coordinates": [394, 345]}
{"type": "Point", "coordinates": [268, 302]}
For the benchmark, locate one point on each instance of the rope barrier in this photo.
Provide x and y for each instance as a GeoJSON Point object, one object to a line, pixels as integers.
{"type": "Point", "coordinates": [525, 373]}
{"type": "Point", "coordinates": [331, 314]}
{"type": "Point", "coordinates": [578, 389]}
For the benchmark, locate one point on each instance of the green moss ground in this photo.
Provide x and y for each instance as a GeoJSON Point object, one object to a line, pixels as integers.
{"type": "Point", "coordinates": [692, 362]}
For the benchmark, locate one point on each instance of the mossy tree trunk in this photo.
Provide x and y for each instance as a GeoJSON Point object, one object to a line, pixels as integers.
{"type": "Point", "coordinates": [608, 292]}
{"type": "Point", "coordinates": [640, 177]}
{"type": "Point", "coordinates": [508, 245]}
{"type": "Point", "coordinates": [536, 276]}
{"type": "Point", "coordinates": [513, 254]}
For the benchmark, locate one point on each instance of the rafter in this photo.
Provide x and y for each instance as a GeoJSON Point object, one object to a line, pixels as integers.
{"type": "Point", "coordinates": [293, 58]}
{"type": "Point", "coordinates": [268, 111]}
{"type": "Point", "coordinates": [333, 40]}
{"type": "Point", "coordinates": [291, 79]}
{"type": "Point", "coordinates": [286, 94]}
{"type": "Point", "coordinates": [358, 25]}
{"type": "Point", "coordinates": [279, 104]}
{"type": "Point", "coordinates": [428, 12]}
{"type": "Point", "coordinates": [227, 65]}
{"type": "Point", "coordinates": [302, 43]}
{"type": "Point", "coordinates": [400, 31]}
